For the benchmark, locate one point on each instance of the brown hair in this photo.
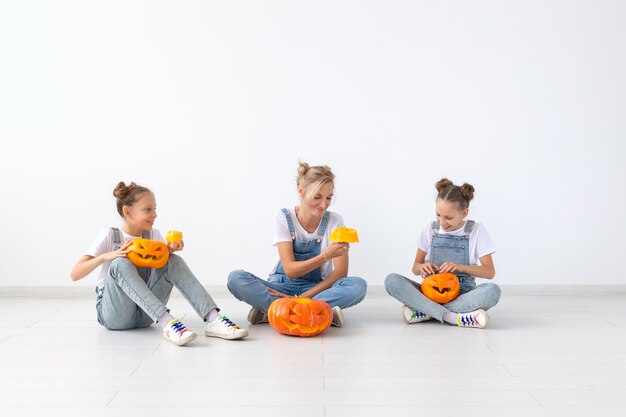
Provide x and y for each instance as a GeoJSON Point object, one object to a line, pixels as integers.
{"type": "Point", "coordinates": [317, 176]}
{"type": "Point", "coordinates": [461, 195]}
{"type": "Point", "coordinates": [127, 195]}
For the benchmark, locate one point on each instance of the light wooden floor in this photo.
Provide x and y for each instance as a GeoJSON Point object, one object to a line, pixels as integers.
{"type": "Point", "coordinates": [546, 353]}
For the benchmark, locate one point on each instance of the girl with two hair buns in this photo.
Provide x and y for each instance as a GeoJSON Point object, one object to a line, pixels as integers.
{"type": "Point", "coordinates": [451, 244]}
{"type": "Point", "coordinates": [129, 297]}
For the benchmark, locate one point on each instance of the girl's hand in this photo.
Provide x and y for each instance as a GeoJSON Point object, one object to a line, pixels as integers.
{"type": "Point", "coordinates": [120, 253]}
{"type": "Point", "coordinates": [276, 293]}
{"type": "Point", "coordinates": [175, 246]}
{"type": "Point", "coordinates": [336, 249]}
{"type": "Point", "coordinates": [429, 268]}
{"type": "Point", "coordinates": [449, 267]}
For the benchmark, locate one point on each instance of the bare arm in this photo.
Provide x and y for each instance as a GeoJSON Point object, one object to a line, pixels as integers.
{"type": "Point", "coordinates": [87, 264]}
{"type": "Point", "coordinates": [295, 269]}
{"type": "Point", "coordinates": [421, 267]}
{"type": "Point", "coordinates": [340, 270]}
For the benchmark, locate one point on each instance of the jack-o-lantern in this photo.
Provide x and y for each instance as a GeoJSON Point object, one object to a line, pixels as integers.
{"type": "Point", "coordinates": [148, 253]}
{"type": "Point", "coordinates": [299, 316]}
{"type": "Point", "coordinates": [344, 234]}
{"type": "Point", "coordinates": [173, 236]}
{"type": "Point", "coordinates": [441, 288]}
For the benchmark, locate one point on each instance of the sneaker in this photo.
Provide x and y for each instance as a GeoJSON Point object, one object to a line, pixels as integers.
{"type": "Point", "coordinates": [256, 316]}
{"type": "Point", "coordinates": [476, 318]}
{"type": "Point", "coordinates": [411, 316]}
{"type": "Point", "coordinates": [338, 319]}
{"type": "Point", "coordinates": [223, 328]}
{"type": "Point", "coordinates": [177, 333]}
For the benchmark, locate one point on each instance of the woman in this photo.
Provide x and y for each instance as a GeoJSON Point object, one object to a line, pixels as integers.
{"type": "Point", "coordinates": [308, 264]}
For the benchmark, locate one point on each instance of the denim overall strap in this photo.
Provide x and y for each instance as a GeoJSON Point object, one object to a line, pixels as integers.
{"type": "Point", "coordinates": [117, 238]}
{"type": "Point", "coordinates": [321, 230]}
{"type": "Point", "coordinates": [117, 243]}
{"type": "Point", "coordinates": [447, 248]}
{"type": "Point", "coordinates": [292, 229]}
{"type": "Point", "coordinates": [303, 251]}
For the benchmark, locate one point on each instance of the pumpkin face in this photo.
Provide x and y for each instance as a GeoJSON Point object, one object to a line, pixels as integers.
{"type": "Point", "coordinates": [173, 236]}
{"type": "Point", "coordinates": [344, 234]}
{"type": "Point", "coordinates": [148, 253]}
{"type": "Point", "coordinates": [299, 316]}
{"type": "Point", "coordinates": [441, 288]}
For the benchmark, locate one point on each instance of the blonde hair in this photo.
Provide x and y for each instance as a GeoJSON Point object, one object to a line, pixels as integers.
{"type": "Point", "coordinates": [314, 176]}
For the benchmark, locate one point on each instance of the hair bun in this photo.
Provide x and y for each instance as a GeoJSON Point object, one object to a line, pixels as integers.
{"type": "Point", "coordinates": [303, 168]}
{"type": "Point", "coordinates": [442, 184]}
{"type": "Point", "coordinates": [468, 191]}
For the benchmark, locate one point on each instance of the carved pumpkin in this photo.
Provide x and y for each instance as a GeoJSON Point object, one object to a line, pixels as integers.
{"type": "Point", "coordinates": [173, 236]}
{"type": "Point", "coordinates": [344, 234]}
{"type": "Point", "coordinates": [441, 288]}
{"type": "Point", "coordinates": [299, 316]}
{"type": "Point", "coordinates": [148, 253]}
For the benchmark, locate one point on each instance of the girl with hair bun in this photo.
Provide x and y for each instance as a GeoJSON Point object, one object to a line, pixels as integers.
{"type": "Point", "coordinates": [129, 297]}
{"type": "Point", "coordinates": [307, 264]}
{"type": "Point", "coordinates": [450, 245]}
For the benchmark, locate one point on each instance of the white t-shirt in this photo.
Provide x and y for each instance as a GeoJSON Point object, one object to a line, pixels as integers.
{"type": "Point", "coordinates": [480, 244]}
{"type": "Point", "coordinates": [104, 243]}
{"type": "Point", "coordinates": [281, 234]}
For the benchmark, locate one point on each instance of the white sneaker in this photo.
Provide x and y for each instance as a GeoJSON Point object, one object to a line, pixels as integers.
{"type": "Point", "coordinates": [411, 316]}
{"type": "Point", "coordinates": [477, 318]}
{"type": "Point", "coordinates": [177, 333]}
{"type": "Point", "coordinates": [223, 328]}
{"type": "Point", "coordinates": [338, 319]}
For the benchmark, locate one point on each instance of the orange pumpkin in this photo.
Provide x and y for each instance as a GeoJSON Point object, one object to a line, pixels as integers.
{"type": "Point", "coordinates": [148, 253]}
{"type": "Point", "coordinates": [441, 288]}
{"type": "Point", "coordinates": [344, 234]}
{"type": "Point", "coordinates": [299, 316]}
{"type": "Point", "coordinates": [173, 236]}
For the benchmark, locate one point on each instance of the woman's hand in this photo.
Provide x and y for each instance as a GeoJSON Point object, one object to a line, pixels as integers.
{"type": "Point", "coordinates": [336, 249]}
{"type": "Point", "coordinates": [276, 293]}
{"type": "Point", "coordinates": [175, 246]}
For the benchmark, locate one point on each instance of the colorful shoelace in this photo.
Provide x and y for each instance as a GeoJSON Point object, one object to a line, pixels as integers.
{"type": "Point", "coordinates": [228, 322]}
{"type": "Point", "coordinates": [178, 327]}
{"type": "Point", "coordinates": [467, 320]}
{"type": "Point", "coordinates": [417, 315]}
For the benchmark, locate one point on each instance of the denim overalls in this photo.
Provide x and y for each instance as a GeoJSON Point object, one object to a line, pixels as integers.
{"type": "Point", "coordinates": [135, 297]}
{"type": "Point", "coordinates": [344, 292]}
{"type": "Point", "coordinates": [447, 248]}
{"type": "Point", "coordinates": [302, 251]}
{"type": "Point", "coordinates": [451, 249]}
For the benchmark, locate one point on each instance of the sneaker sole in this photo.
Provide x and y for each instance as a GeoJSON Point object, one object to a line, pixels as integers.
{"type": "Point", "coordinates": [183, 343]}
{"type": "Point", "coordinates": [232, 336]}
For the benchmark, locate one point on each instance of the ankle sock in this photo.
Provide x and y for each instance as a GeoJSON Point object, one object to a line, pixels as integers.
{"type": "Point", "coordinates": [213, 314]}
{"type": "Point", "coordinates": [451, 318]}
{"type": "Point", "coordinates": [165, 319]}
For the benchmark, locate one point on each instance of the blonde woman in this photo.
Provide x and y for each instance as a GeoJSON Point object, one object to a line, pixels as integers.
{"type": "Point", "coordinates": [307, 264]}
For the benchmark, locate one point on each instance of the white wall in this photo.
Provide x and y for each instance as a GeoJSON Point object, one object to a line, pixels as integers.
{"type": "Point", "coordinates": [211, 104]}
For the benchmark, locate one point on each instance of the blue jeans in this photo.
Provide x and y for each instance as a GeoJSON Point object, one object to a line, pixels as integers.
{"type": "Point", "coordinates": [128, 302]}
{"type": "Point", "coordinates": [410, 294]}
{"type": "Point", "coordinates": [344, 293]}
